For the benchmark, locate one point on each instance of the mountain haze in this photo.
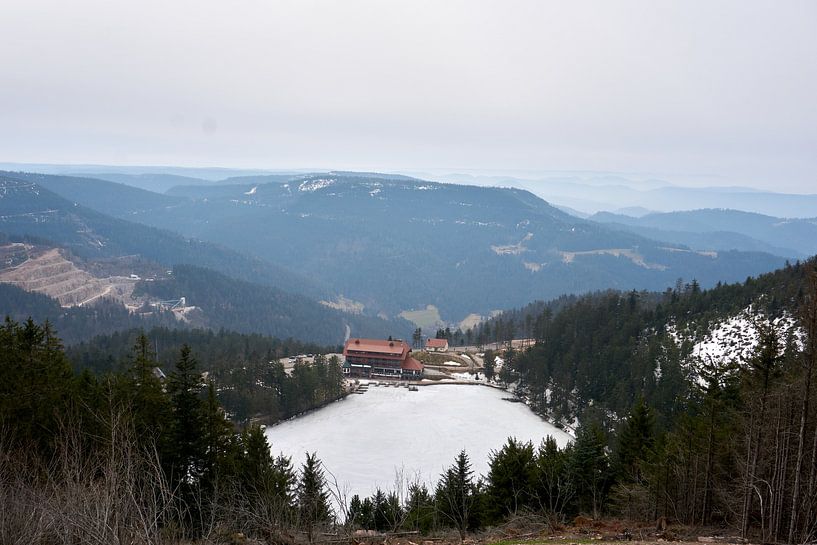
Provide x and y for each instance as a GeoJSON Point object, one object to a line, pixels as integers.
{"type": "Point", "coordinates": [718, 229]}
{"type": "Point", "coordinates": [440, 244]}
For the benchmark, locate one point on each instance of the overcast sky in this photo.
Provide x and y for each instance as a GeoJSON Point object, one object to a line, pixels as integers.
{"type": "Point", "coordinates": [693, 92]}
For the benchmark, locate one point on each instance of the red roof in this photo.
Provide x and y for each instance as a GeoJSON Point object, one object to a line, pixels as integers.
{"type": "Point", "coordinates": [397, 349]}
{"type": "Point", "coordinates": [411, 365]}
{"type": "Point", "coordinates": [437, 343]}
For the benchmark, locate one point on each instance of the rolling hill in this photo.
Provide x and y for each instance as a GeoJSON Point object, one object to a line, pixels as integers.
{"type": "Point", "coordinates": [718, 229]}
{"type": "Point", "coordinates": [392, 243]}
{"type": "Point", "coordinates": [399, 243]}
{"type": "Point", "coordinates": [27, 208]}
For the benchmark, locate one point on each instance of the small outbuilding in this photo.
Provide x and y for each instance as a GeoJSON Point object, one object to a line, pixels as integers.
{"type": "Point", "coordinates": [437, 345]}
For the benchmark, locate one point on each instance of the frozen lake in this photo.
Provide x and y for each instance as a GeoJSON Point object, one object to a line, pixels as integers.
{"type": "Point", "coordinates": [364, 440]}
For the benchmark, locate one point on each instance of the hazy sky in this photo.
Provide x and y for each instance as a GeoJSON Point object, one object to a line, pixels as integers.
{"type": "Point", "coordinates": [689, 91]}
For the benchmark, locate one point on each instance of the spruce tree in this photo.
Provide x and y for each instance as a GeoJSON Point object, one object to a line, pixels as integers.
{"type": "Point", "coordinates": [187, 445]}
{"type": "Point", "coordinates": [148, 400]}
{"type": "Point", "coordinates": [354, 514]}
{"type": "Point", "coordinates": [456, 494]}
{"type": "Point", "coordinates": [313, 504]}
{"type": "Point", "coordinates": [590, 469]}
{"type": "Point", "coordinates": [635, 442]}
{"type": "Point", "coordinates": [511, 478]}
{"type": "Point", "coordinates": [420, 509]}
{"type": "Point", "coordinates": [554, 486]}
{"type": "Point", "coordinates": [220, 445]}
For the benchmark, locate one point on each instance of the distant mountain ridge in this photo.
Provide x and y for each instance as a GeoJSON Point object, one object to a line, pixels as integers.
{"type": "Point", "coordinates": [393, 243]}
{"type": "Point", "coordinates": [594, 192]}
{"type": "Point", "coordinates": [717, 229]}
{"type": "Point", "coordinates": [396, 244]}
{"type": "Point", "coordinates": [27, 208]}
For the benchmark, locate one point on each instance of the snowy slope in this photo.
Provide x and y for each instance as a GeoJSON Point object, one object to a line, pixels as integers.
{"type": "Point", "coordinates": [731, 341]}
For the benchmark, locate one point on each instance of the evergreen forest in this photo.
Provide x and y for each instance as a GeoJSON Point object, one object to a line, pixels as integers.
{"type": "Point", "coordinates": [103, 445]}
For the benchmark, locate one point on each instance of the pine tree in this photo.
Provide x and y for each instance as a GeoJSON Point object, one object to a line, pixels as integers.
{"type": "Point", "coordinates": [635, 441]}
{"type": "Point", "coordinates": [511, 478]}
{"type": "Point", "coordinates": [220, 444]}
{"type": "Point", "coordinates": [148, 400]}
{"type": "Point", "coordinates": [187, 445]}
{"type": "Point", "coordinates": [313, 504]}
{"type": "Point", "coordinates": [590, 469]}
{"type": "Point", "coordinates": [555, 486]}
{"type": "Point", "coordinates": [456, 495]}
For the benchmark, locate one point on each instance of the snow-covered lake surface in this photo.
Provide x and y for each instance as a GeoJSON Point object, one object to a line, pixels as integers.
{"type": "Point", "coordinates": [365, 439]}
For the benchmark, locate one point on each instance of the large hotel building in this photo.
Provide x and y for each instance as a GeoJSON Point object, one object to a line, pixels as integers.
{"type": "Point", "coordinates": [376, 358]}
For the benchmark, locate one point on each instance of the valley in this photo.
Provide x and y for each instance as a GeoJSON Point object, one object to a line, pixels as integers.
{"type": "Point", "coordinates": [587, 368]}
{"type": "Point", "coordinates": [408, 273]}
{"type": "Point", "coordinates": [442, 244]}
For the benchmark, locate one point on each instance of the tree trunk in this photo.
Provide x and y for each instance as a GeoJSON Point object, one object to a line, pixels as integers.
{"type": "Point", "coordinates": [751, 460]}
{"type": "Point", "coordinates": [809, 316]}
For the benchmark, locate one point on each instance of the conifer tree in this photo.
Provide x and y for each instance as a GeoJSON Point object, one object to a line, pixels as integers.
{"type": "Point", "coordinates": [257, 464]}
{"type": "Point", "coordinates": [456, 494]}
{"type": "Point", "coordinates": [284, 481]}
{"type": "Point", "coordinates": [148, 400]}
{"type": "Point", "coordinates": [420, 508]}
{"type": "Point", "coordinates": [489, 364]}
{"type": "Point", "coordinates": [354, 516]}
{"type": "Point", "coordinates": [555, 487]}
{"type": "Point", "coordinates": [511, 478]}
{"type": "Point", "coordinates": [187, 445]}
{"type": "Point", "coordinates": [220, 445]}
{"type": "Point", "coordinates": [590, 469]}
{"type": "Point", "coordinates": [635, 441]}
{"type": "Point", "coordinates": [313, 504]}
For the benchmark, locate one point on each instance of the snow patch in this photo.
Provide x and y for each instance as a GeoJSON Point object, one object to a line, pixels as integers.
{"type": "Point", "coordinates": [731, 342]}
{"type": "Point", "coordinates": [314, 185]}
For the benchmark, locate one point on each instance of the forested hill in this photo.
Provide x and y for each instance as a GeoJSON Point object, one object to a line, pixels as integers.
{"type": "Point", "coordinates": [596, 354]}
{"type": "Point", "coordinates": [246, 294]}
{"type": "Point", "coordinates": [464, 249]}
{"type": "Point", "coordinates": [461, 248]}
{"type": "Point", "coordinates": [94, 193]}
{"type": "Point", "coordinates": [251, 308]}
{"type": "Point", "coordinates": [77, 323]}
{"type": "Point", "coordinates": [26, 208]}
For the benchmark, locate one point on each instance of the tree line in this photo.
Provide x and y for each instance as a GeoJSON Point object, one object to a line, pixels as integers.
{"type": "Point", "coordinates": [251, 381]}
{"type": "Point", "coordinates": [127, 457]}
{"type": "Point", "coordinates": [731, 441]}
{"type": "Point", "coordinates": [737, 446]}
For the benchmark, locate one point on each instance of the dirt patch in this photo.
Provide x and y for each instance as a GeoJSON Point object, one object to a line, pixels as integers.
{"type": "Point", "coordinates": [444, 360]}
